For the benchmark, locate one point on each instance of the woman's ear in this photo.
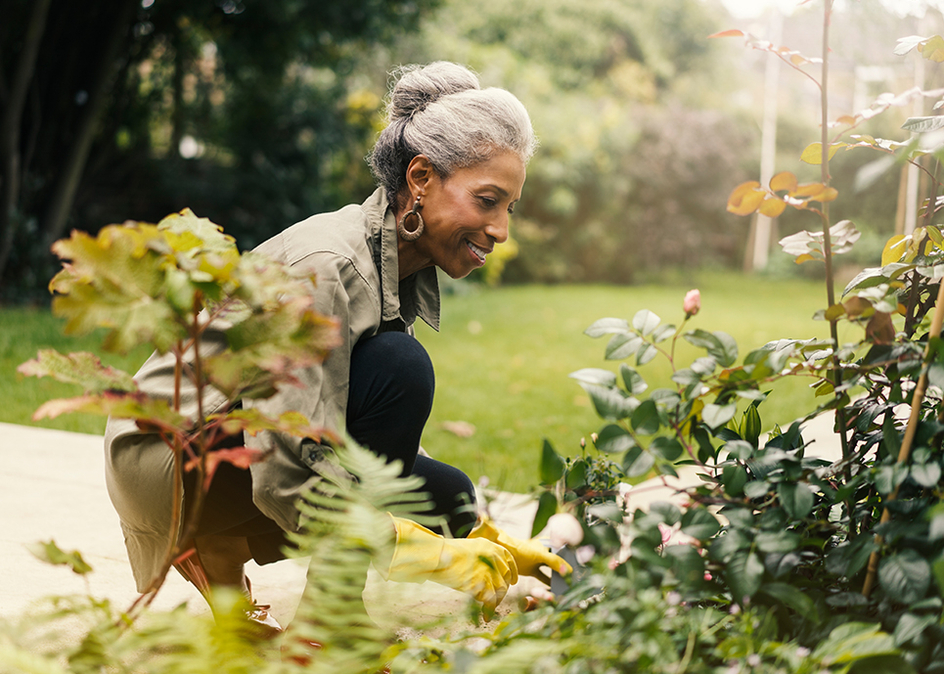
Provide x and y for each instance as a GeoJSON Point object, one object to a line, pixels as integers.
{"type": "Point", "coordinates": [418, 174]}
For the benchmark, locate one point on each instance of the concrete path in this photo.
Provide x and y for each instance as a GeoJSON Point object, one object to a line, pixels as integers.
{"type": "Point", "coordinates": [52, 488]}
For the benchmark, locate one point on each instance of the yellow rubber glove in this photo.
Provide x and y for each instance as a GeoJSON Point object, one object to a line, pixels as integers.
{"type": "Point", "coordinates": [529, 555]}
{"type": "Point", "coordinates": [477, 567]}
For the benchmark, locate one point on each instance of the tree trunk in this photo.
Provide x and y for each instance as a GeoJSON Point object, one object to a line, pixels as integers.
{"type": "Point", "coordinates": [10, 166]}
{"type": "Point", "coordinates": [67, 183]}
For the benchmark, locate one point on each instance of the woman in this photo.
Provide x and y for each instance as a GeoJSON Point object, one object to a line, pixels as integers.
{"type": "Point", "coordinates": [450, 167]}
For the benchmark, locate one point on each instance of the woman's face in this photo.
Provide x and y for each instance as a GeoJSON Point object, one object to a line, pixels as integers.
{"type": "Point", "coordinates": [467, 213]}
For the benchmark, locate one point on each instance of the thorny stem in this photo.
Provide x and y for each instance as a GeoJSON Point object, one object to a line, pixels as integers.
{"type": "Point", "coordinates": [827, 246]}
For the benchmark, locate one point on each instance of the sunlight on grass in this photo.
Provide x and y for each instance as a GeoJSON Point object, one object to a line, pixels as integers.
{"type": "Point", "coordinates": [502, 362]}
{"type": "Point", "coordinates": [503, 359]}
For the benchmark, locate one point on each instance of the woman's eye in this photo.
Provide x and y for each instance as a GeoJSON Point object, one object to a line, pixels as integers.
{"type": "Point", "coordinates": [488, 202]}
{"type": "Point", "coordinates": [511, 209]}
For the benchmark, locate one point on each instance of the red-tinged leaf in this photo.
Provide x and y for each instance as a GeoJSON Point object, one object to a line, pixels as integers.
{"type": "Point", "coordinates": [784, 180]}
{"type": "Point", "coordinates": [241, 457]}
{"type": "Point", "coordinates": [84, 369]}
{"type": "Point", "coordinates": [728, 33]}
{"type": "Point", "coordinates": [135, 405]}
{"type": "Point", "coordinates": [856, 306]}
{"type": "Point", "coordinates": [253, 421]}
{"type": "Point", "coordinates": [746, 198]}
{"type": "Point", "coordinates": [880, 329]}
{"type": "Point", "coordinates": [772, 207]}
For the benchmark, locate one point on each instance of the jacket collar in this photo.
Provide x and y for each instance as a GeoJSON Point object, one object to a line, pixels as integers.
{"type": "Point", "coordinates": [416, 295]}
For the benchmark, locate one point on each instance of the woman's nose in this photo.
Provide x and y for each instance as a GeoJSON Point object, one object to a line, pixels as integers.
{"type": "Point", "coordinates": [497, 229]}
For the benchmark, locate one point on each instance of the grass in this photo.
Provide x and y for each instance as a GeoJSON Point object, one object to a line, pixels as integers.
{"type": "Point", "coordinates": [502, 361]}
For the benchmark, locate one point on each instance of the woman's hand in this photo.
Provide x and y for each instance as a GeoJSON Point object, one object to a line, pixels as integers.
{"type": "Point", "coordinates": [529, 555]}
{"type": "Point", "coordinates": [476, 566]}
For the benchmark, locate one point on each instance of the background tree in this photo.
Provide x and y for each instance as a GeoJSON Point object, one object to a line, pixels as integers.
{"type": "Point", "coordinates": [101, 98]}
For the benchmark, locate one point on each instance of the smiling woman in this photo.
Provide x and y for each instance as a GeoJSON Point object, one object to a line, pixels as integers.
{"type": "Point", "coordinates": [451, 165]}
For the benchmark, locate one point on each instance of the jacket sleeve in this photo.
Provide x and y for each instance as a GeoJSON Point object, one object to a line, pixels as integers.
{"type": "Point", "coordinates": [295, 464]}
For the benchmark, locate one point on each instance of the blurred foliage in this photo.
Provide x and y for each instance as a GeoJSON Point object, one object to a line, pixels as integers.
{"type": "Point", "coordinates": [259, 114]}
{"type": "Point", "coordinates": [247, 111]}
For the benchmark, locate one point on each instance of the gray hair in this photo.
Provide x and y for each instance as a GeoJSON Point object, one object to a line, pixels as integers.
{"type": "Point", "coordinates": [439, 111]}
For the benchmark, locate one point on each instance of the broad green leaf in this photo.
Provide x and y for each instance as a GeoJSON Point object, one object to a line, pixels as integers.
{"type": "Point", "coordinates": [854, 641]}
{"type": "Point", "coordinates": [687, 564]}
{"type": "Point", "coordinates": [788, 595]}
{"type": "Point", "coordinates": [594, 375]}
{"type": "Point", "coordinates": [663, 333]}
{"type": "Point", "coordinates": [905, 576]}
{"type": "Point", "coordinates": [606, 326]}
{"type": "Point", "coordinates": [910, 626]}
{"type": "Point", "coordinates": [796, 499]}
{"type": "Point", "coordinates": [637, 463]}
{"type": "Point", "coordinates": [756, 489]}
{"type": "Point", "coordinates": [778, 541]}
{"type": "Point", "coordinates": [726, 352]}
{"type": "Point", "coordinates": [704, 366]}
{"type": "Point", "coordinates": [729, 544]}
{"type": "Point", "coordinates": [740, 449]}
{"type": "Point", "coordinates": [685, 377]}
{"type": "Point", "coordinates": [716, 416]}
{"type": "Point", "coordinates": [622, 345]}
{"type": "Point", "coordinates": [614, 439]}
{"type": "Point", "coordinates": [888, 478]}
{"type": "Point", "coordinates": [847, 559]}
{"type": "Point", "coordinates": [610, 403]}
{"type": "Point", "coordinates": [577, 475]}
{"type": "Point", "coordinates": [645, 418]}
{"type": "Point", "coordinates": [84, 369]}
{"type": "Point", "coordinates": [699, 523]}
{"type": "Point", "coordinates": [667, 511]}
{"type": "Point", "coordinates": [645, 321]}
{"type": "Point", "coordinates": [547, 506]}
{"type": "Point", "coordinates": [744, 573]}
{"type": "Point", "coordinates": [702, 339]}
{"type": "Point", "coordinates": [926, 474]}
{"type": "Point", "coordinates": [633, 381]}
{"type": "Point", "coordinates": [666, 447]}
{"type": "Point", "coordinates": [645, 354]}
{"type": "Point", "coordinates": [552, 465]}
{"type": "Point", "coordinates": [734, 478]}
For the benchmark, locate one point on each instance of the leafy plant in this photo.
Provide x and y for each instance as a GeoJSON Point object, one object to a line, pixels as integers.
{"type": "Point", "coordinates": [235, 326]}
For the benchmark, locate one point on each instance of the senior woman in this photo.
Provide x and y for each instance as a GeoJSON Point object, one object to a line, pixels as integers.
{"type": "Point", "coordinates": [450, 167]}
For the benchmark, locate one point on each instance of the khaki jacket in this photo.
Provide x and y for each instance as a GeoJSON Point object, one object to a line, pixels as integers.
{"type": "Point", "coordinates": [353, 253]}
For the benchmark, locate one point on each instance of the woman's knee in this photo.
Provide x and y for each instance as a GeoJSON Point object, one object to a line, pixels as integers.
{"type": "Point", "coordinates": [394, 364]}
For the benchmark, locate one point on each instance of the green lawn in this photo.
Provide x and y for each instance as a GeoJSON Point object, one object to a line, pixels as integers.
{"type": "Point", "coordinates": [502, 361]}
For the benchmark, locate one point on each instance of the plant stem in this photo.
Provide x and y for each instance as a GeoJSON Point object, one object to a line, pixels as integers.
{"type": "Point", "coordinates": [910, 431]}
{"type": "Point", "coordinates": [827, 249]}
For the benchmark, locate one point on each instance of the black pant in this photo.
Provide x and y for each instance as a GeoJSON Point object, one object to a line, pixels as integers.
{"type": "Point", "coordinates": [389, 400]}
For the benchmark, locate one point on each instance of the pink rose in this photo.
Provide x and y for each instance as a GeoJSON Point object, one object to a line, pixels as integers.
{"type": "Point", "coordinates": [692, 302]}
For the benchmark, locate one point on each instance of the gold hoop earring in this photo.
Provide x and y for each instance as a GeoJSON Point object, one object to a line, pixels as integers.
{"type": "Point", "coordinates": [406, 234]}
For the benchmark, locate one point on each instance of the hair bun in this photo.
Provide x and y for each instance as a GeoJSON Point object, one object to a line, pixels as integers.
{"type": "Point", "coordinates": [418, 86]}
